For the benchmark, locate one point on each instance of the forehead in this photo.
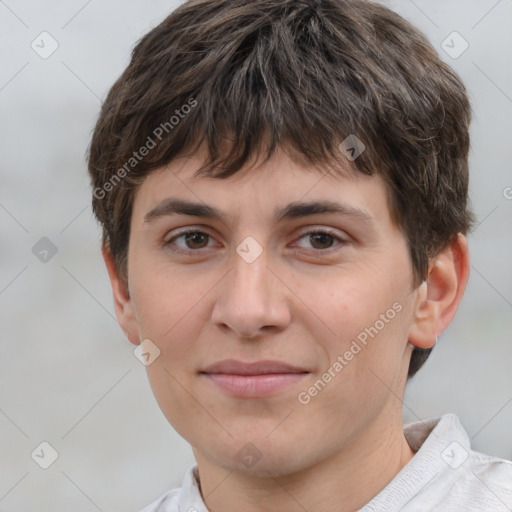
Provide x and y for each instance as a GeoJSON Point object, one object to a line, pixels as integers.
{"type": "Point", "coordinates": [267, 188]}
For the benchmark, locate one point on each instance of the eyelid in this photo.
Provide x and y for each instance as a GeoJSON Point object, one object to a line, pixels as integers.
{"type": "Point", "coordinates": [322, 229]}
{"type": "Point", "coordinates": [184, 231]}
{"type": "Point", "coordinates": [312, 230]}
{"type": "Point", "coordinates": [309, 230]}
{"type": "Point", "coordinates": [179, 232]}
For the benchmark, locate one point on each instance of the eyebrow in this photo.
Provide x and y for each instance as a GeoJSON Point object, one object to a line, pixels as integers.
{"type": "Point", "coordinates": [296, 209]}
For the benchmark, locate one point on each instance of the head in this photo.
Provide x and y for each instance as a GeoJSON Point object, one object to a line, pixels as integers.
{"type": "Point", "coordinates": [250, 108]}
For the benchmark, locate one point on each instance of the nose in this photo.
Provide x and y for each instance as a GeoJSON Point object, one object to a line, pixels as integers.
{"type": "Point", "coordinates": [252, 299]}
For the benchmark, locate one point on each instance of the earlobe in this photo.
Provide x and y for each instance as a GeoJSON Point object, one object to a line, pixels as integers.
{"type": "Point", "coordinates": [439, 296]}
{"type": "Point", "coordinates": [122, 301]}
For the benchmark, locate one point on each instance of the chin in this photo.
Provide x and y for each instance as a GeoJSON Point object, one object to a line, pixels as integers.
{"type": "Point", "coordinates": [261, 458]}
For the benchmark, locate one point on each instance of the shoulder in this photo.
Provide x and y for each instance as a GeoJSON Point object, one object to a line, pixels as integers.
{"type": "Point", "coordinates": [167, 502]}
{"type": "Point", "coordinates": [482, 483]}
{"type": "Point", "coordinates": [462, 478]}
{"type": "Point", "coordinates": [186, 498]}
{"type": "Point", "coordinates": [446, 474]}
{"type": "Point", "coordinates": [486, 480]}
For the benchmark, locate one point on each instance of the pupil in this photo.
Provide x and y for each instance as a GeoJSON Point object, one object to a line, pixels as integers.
{"type": "Point", "coordinates": [322, 237]}
{"type": "Point", "coordinates": [194, 237]}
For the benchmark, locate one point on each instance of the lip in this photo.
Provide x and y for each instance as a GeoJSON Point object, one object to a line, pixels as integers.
{"type": "Point", "coordinates": [255, 379]}
{"type": "Point", "coordinates": [234, 367]}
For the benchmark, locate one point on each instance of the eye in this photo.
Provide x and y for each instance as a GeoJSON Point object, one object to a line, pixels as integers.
{"type": "Point", "coordinates": [193, 241]}
{"type": "Point", "coordinates": [322, 239]}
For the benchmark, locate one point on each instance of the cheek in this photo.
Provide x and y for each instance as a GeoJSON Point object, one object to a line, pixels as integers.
{"type": "Point", "coordinates": [176, 403]}
{"type": "Point", "coordinates": [361, 317]}
{"type": "Point", "coordinates": [347, 303]}
{"type": "Point", "coordinates": [362, 361]}
{"type": "Point", "coordinates": [168, 308]}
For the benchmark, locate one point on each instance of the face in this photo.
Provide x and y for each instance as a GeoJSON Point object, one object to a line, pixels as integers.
{"type": "Point", "coordinates": [320, 297]}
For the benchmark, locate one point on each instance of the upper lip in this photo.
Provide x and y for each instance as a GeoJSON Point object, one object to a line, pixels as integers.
{"type": "Point", "coordinates": [234, 367]}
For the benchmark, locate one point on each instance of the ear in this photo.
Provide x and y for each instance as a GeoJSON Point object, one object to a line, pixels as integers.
{"type": "Point", "coordinates": [122, 302]}
{"type": "Point", "coordinates": [439, 296]}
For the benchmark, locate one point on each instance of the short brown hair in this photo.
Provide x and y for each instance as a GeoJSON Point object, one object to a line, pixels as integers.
{"type": "Point", "coordinates": [301, 75]}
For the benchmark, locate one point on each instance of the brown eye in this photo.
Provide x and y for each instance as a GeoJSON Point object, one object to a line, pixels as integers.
{"type": "Point", "coordinates": [322, 240]}
{"type": "Point", "coordinates": [196, 240]}
{"type": "Point", "coordinates": [191, 241]}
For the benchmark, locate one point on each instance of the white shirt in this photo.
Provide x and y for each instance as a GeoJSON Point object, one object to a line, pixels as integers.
{"type": "Point", "coordinates": [445, 475]}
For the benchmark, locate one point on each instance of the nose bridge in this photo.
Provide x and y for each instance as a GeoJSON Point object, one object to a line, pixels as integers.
{"type": "Point", "coordinates": [250, 281]}
{"type": "Point", "coordinates": [248, 299]}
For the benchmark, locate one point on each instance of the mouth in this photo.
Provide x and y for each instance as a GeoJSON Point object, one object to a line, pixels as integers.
{"type": "Point", "coordinates": [253, 380]}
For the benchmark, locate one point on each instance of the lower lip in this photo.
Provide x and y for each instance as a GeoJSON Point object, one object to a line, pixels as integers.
{"type": "Point", "coordinates": [254, 386]}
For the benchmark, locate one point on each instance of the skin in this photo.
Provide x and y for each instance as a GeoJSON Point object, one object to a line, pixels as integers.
{"type": "Point", "coordinates": [303, 301]}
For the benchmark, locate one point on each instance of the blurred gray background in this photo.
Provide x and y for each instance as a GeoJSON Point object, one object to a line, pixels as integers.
{"type": "Point", "coordinates": [69, 378]}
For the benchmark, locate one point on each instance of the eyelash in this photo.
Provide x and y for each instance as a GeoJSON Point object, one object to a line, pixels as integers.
{"type": "Point", "coordinates": [324, 231]}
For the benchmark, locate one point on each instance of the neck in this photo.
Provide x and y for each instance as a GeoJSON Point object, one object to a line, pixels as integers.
{"type": "Point", "coordinates": [345, 481]}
